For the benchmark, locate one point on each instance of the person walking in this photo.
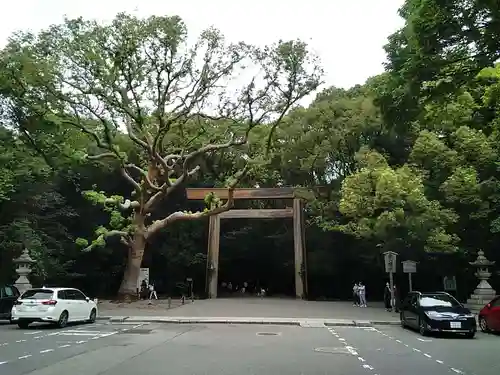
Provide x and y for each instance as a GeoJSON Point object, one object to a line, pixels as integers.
{"type": "Point", "coordinates": [387, 297]}
{"type": "Point", "coordinates": [362, 294]}
{"type": "Point", "coordinates": [355, 295]}
{"type": "Point", "coordinates": [152, 292]}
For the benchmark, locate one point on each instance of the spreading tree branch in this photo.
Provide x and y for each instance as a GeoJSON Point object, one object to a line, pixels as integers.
{"type": "Point", "coordinates": [180, 215]}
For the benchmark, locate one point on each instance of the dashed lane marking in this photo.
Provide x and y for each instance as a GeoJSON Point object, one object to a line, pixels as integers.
{"type": "Point", "coordinates": [457, 371]}
{"type": "Point", "coordinates": [96, 335]}
{"type": "Point", "coordinates": [352, 350]}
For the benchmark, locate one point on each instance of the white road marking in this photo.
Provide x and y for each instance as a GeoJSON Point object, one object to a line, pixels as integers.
{"type": "Point", "coordinates": [46, 351]}
{"type": "Point", "coordinates": [24, 356]}
{"type": "Point", "coordinates": [457, 371]}
{"type": "Point", "coordinates": [32, 333]}
{"type": "Point", "coordinates": [21, 340]}
{"type": "Point", "coordinates": [80, 342]}
{"type": "Point", "coordinates": [4, 344]}
{"type": "Point", "coordinates": [3, 362]}
{"type": "Point", "coordinates": [37, 337]}
{"type": "Point", "coordinates": [109, 334]}
{"type": "Point", "coordinates": [64, 346]}
{"type": "Point", "coordinates": [353, 352]}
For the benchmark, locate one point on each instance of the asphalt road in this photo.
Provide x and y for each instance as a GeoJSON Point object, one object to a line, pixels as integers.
{"type": "Point", "coordinates": [154, 349]}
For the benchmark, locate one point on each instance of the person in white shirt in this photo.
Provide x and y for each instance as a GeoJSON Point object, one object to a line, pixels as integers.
{"type": "Point", "coordinates": [152, 292]}
{"type": "Point", "coordinates": [362, 294]}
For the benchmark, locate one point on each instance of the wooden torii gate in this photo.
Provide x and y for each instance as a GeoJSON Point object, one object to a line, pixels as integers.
{"type": "Point", "coordinates": [296, 212]}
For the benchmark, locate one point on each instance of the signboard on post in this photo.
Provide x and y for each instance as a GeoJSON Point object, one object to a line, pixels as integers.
{"type": "Point", "coordinates": [390, 268]}
{"type": "Point", "coordinates": [450, 283]}
{"type": "Point", "coordinates": [410, 267]}
{"type": "Point", "coordinates": [390, 261]}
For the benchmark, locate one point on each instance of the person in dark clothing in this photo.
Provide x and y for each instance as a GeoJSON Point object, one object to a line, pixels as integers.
{"type": "Point", "coordinates": [387, 297]}
{"type": "Point", "coordinates": [355, 295]}
{"type": "Point", "coordinates": [396, 299]}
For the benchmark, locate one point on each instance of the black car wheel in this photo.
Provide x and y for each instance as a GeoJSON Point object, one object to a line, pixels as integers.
{"type": "Point", "coordinates": [422, 328]}
{"type": "Point", "coordinates": [402, 319]}
{"type": "Point", "coordinates": [93, 316]}
{"type": "Point", "coordinates": [483, 324]}
{"type": "Point", "coordinates": [63, 319]}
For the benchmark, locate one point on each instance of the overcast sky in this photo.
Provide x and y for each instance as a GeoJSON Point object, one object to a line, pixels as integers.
{"type": "Point", "coordinates": [348, 35]}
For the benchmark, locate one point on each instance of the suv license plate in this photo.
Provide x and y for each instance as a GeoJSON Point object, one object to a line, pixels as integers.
{"type": "Point", "coordinates": [455, 325]}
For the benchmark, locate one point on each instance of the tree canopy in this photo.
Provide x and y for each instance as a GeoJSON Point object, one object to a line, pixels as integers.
{"type": "Point", "coordinates": [105, 125]}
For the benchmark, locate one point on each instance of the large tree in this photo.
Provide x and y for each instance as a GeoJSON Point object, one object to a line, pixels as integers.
{"type": "Point", "coordinates": [177, 103]}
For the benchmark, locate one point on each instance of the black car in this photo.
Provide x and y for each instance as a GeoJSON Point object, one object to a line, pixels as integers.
{"type": "Point", "coordinates": [8, 295]}
{"type": "Point", "coordinates": [436, 312]}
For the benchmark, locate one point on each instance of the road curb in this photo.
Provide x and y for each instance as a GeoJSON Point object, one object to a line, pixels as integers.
{"type": "Point", "coordinates": [104, 317]}
{"type": "Point", "coordinates": [249, 321]}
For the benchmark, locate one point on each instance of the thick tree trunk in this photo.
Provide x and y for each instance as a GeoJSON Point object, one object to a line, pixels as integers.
{"type": "Point", "coordinates": [128, 287]}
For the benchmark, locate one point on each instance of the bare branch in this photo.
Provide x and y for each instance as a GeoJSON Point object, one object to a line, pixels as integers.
{"type": "Point", "coordinates": [179, 215]}
{"type": "Point", "coordinates": [144, 174]}
{"type": "Point", "coordinates": [102, 156]}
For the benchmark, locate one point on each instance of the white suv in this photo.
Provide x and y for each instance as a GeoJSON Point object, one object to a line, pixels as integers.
{"type": "Point", "coordinates": [53, 305]}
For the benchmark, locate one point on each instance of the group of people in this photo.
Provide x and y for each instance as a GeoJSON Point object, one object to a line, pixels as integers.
{"type": "Point", "coordinates": [359, 294]}
{"type": "Point", "coordinates": [245, 288]}
{"type": "Point", "coordinates": [391, 300]}
{"type": "Point", "coordinates": [147, 291]}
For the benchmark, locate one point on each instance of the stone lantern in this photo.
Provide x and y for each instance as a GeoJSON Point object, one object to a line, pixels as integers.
{"type": "Point", "coordinates": [483, 293]}
{"type": "Point", "coordinates": [23, 269]}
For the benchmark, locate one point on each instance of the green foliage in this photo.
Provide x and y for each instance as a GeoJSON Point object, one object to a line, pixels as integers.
{"type": "Point", "coordinates": [409, 161]}
{"type": "Point", "coordinates": [384, 204]}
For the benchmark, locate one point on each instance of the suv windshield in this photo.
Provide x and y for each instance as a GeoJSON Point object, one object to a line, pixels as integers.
{"type": "Point", "coordinates": [38, 294]}
{"type": "Point", "coordinates": [432, 300]}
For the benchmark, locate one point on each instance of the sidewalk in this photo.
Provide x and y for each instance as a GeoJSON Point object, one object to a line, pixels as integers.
{"type": "Point", "coordinates": [250, 311]}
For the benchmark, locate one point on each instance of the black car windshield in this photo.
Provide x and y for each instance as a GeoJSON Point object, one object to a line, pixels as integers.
{"type": "Point", "coordinates": [38, 294]}
{"type": "Point", "coordinates": [433, 300]}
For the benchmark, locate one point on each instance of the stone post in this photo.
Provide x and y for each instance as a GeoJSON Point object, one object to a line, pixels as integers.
{"type": "Point", "coordinates": [483, 293]}
{"type": "Point", "coordinates": [23, 269]}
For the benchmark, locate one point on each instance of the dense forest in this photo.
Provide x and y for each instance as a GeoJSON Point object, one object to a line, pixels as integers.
{"type": "Point", "coordinates": [103, 126]}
